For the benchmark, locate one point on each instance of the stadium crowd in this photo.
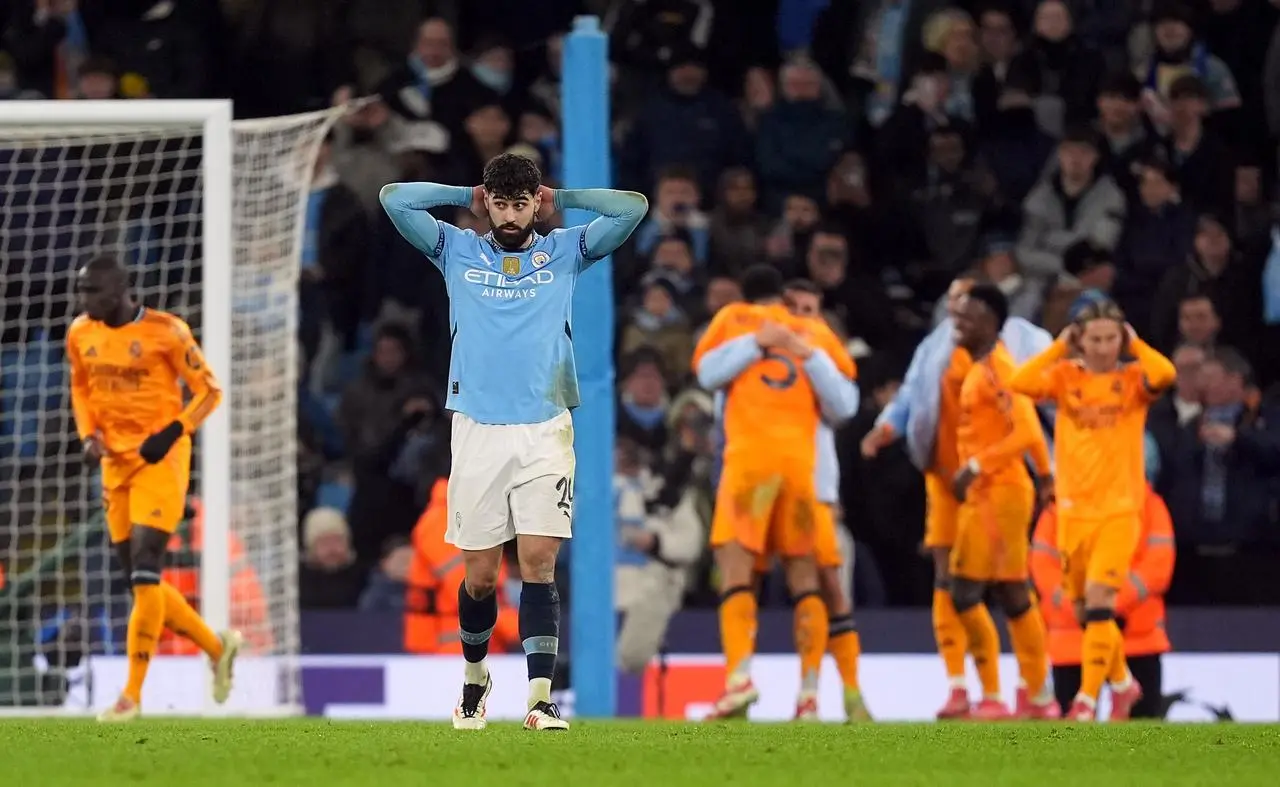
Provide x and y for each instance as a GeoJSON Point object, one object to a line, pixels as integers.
{"type": "Point", "coordinates": [880, 149]}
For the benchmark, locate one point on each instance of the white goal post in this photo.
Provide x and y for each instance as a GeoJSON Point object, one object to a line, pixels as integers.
{"type": "Point", "coordinates": [210, 214]}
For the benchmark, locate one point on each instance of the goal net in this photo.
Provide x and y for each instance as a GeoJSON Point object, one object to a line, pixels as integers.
{"type": "Point", "coordinates": [209, 217]}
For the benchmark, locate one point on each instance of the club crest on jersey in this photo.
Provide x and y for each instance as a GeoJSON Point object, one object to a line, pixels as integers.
{"type": "Point", "coordinates": [510, 266]}
{"type": "Point", "coordinates": [540, 258]}
{"type": "Point", "coordinates": [135, 350]}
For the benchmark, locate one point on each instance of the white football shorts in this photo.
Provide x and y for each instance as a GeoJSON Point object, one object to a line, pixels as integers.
{"type": "Point", "coordinates": [510, 480]}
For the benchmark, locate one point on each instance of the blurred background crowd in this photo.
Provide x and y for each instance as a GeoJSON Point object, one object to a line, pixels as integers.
{"type": "Point", "coordinates": [879, 148]}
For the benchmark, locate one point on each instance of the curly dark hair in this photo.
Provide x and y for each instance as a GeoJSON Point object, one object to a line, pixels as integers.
{"type": "Point", "coordinates": [508, 176]}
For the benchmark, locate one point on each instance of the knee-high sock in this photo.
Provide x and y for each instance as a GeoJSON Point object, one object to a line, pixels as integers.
{"type": "Point", "coordinates": [984, 645]}
{"type": "Point", "coordinates": [182, 619]}
{"type": "Point", "coordinates": [540, 632]}
{"type": "Point", "coordinates": [1097, 652]}
{"type": "Point", "coordinates": [811, 638]}
{"type": "Point", "coordinates": [949, 633]}
{"type": "Point", "coordinates": [476, 619]}
{"type": "Point", "coordinates": [146, 622]}
{"type": "Point", "coordinates": [1027, 633]}
{"type": "Point", "coordinates": [738, 630]}
{"type": "Point", "coordinates": [1119, 673]}
{"type": "Point", "coordinates": [845, 646]}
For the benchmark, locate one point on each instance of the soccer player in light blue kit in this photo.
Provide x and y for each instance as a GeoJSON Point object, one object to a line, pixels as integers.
{"type": "Point", "coordinates": [512, 383]}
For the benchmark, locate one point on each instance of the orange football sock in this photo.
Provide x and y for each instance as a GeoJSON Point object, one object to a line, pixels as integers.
{"type": "Point", "coordinates": [1119, 674]}
{"type": "Point", "coordinates": [738, 629]}
{"type": "Point", "coordinates": [984, 645]}
{"type": "Point", "coordinates": [811, 639]}
{"type": "Point", "coordinates": [182, 619]}
{"type": "Point", "coordinates": [1096, 655]}
{"type": "Point", "coordinates": [845, 646]}
{"type": "Point", "coordinates": [1027, 633]}
{"type": "Point", "coordinates": [949, 633]}
{"type": "Point", "coordinates": [146, 622]}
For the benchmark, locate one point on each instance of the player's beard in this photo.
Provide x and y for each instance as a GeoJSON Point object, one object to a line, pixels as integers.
{"type": "Point", "coordinates": [512, 237]}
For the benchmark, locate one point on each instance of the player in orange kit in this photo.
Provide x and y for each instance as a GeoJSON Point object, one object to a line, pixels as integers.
{"type": "Point", "coordinates": [128, 364]}
{"type": "Point", "coordinates": [767, 497]}
{"type": "Point", "coordinates": [1103, 378]}
{"type": "Point", "coordinates": [997, 497]}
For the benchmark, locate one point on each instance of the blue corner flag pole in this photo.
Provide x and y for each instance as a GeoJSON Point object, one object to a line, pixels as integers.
{"type": "Point", "coordinates": [585, 124]}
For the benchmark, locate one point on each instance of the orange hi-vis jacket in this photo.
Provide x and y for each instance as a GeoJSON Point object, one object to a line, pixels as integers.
{"type": "Point", "coordinates": [1140, 603]}
{"type": "Point", "coordinates": [436, 572]}
{"type": "Point", "coordinates": [248, 603]}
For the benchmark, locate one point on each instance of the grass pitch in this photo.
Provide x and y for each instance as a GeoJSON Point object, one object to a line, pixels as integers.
{"type": "Point", "coordinates": [318, 753]}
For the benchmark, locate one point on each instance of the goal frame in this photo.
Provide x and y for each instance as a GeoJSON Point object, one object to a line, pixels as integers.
{"type": "Point", "coordinates": [213, 118]}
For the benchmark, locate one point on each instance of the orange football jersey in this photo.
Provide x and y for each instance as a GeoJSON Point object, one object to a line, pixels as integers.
{"type": "Point", "coordinates": [1099, 433]}
{"type": "Point", "coordinates": [771, 411]}
{"type": "Point", "coordinates": [126, 382]}
{"type": "Point", "coordinates": [946, 454]}
{"type": "Point", "coordinates": [997, 426]}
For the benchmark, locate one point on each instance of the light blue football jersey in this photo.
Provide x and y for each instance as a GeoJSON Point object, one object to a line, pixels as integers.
{"type": "Point", "coordinates": [510, 311]}
{"type": "Point", "coordinates": [509, 317]}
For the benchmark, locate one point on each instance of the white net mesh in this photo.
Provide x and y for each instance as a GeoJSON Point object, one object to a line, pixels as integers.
{"type": "Point", "coordinates": [69, 192]}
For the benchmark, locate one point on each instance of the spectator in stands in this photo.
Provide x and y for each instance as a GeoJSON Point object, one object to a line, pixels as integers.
{"type": "Point", "coordinates": [873, 228]}
{"type": "Point", "coordinates": [1072, 204]}
{"type": "Point", "coordinates": [1198, 322]}
{"type": "Point", "coordinates": [856, 298]}
{"type": "Point", "coordinates": [1206, 170]}
{"type": "Point", "coordinates": [288, 58]}
{"type": "Point", "coordinates": [433, 84]}
{"type": "Point", "coordinates": [799, 138]}
{"type": "Point", "coordinates": [1126, 139]}
{"type": "Point", "coordinates": [377, 413]}
{"type": "Point", "coordinates": [643, 400]}
{"type": "Point", "coordinates": [1215, 271]}
{"type": "Point", "coordinates": [387, 585]}
{"type": "Point", "coordinates": [999, 266]}
{"type": "Point", "coordinates": [786, 245]}
{"type": "Point", "coordinates": [335, 245]}
{"type": "Point", "coordinates": [947, 213]}
{"type": "Point", "coordinates": [673, 260]}
{"type": "Point", "coordinates": [952, 34]}
{"type": "Point", "coordinates": [660, 323]}
{"type": "Point", "coordinates": [663, 525]}
{"type": "Point", "coordinates": [1012, 144]}
{"type": "Point", "coordinates": [1253, 216]}
{"type": "Point", "coordinates": [873, 51]}
{"type": "Point", "coordinates": [488, 132]}
{"type": "Point", "coordinates": [721, 291]}
{"type": "Point", "coordinates": [1158, 233]}
{"type": "Point", "coordinates": [737, 227]}
{"type": "Point", "coordinates": [1182, 404]}
{"type": "Point", "coordinates": [545, 90]}
{"type": "Point", "coordinates": [1086, 269]}
{"type": "Point", "coordinates": [493, 64]}
{"type": "Point", "coordinates": [759, 93]}
{"type": "Point", "coordinates": [676, 210]}
{"type": "Point", "coordinates": [998, 38]}
{"type": "Point", "coordinates": [1217, 471]}
{"type": "Point", "coordinates": [1069, 70]}
{"type": "Point", "coordinates": [362, 148]}
{"type": "Point", "coordinates": [97, 79]}
{"type": "Point", "coordinates": [329, 576]}
{"type": "Point", "coordinates": [689, 124]}
{"type": "Point", "coordinates": [902, 145]}
{"type": "Point", "coordinates": [1178, 54]}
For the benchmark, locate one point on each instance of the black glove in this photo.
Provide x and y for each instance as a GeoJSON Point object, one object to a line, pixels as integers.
{"type": "Point", "coordinates": [155, 447]}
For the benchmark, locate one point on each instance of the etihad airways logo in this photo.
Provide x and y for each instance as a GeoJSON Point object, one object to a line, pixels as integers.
{"type": "Point", "coordinates": [497, 285]}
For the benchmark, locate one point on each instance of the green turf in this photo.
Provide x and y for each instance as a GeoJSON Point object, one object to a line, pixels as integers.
{"type": "Point", "coordinates": [317, 753]}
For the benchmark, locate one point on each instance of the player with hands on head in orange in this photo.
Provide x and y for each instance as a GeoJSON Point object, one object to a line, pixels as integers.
{"type": "Point", "coordinates": [766, 502]}
{"type": "Point", "coordinates": [128, 366]}
{"type": "Point", "coordinates": [1103, 378]}
{"type": "Point", "coordinates": [997, 497]}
